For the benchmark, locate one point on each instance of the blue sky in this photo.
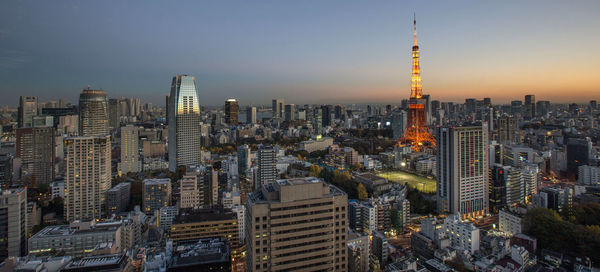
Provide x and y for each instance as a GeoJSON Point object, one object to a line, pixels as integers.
{"type": "Point", "coordinates": [303, 51]}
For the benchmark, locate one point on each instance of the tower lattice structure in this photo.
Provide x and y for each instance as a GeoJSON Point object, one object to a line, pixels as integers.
{"type": "Point", "coordinates": [417, 133]}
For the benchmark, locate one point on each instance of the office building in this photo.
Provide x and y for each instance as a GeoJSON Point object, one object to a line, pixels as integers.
{"type": "Point", "coordinates": [278, 108]}
{"type": "Point", "coordinates": [78, 239]}
{"type": "Point", "coordinates": [290, 112]}
{"type": "Point", "coordinates": [506, 187]}
{"type": "Point", "coordinates": [530, 106]}
{"type": "Point", "coordinates": [232, 110]}
{"type": "Point", "coordinates": [6, 170]}
{"type": "Point", "coordinates": [184, 123]}
{"type": "Point", "coordinates": [508, 130]}
{"type": "Point", "coordinates": [588, 175]}
{"type": "Point", "coordinates": [13, 218]}
{"type": "Point", "coordinates": [156, 194]}
{"type": "Point", "coordinates": [189, 195]}
{"type": "Point", "coordinates": [297, 225]}
{"type": "Point", "coordinates": [28, 108]}
{"type": "Point", "coordinates": [267, 165]}
{"type": "Point", "coordinates": [130, 150]}
{"type": "Point", "coordinates": [93, 113]}
{"type": "Point", "coordinates": [578, 153]}
{"type": "Point", "coordinates": [398, 123]}
{"type": "Point", "coordinates": [87, 176]}
{"type": "Point", "coordinates": [251, 115]}
{"type": "Point", "coordinates": [114, 113]}
{"type": "Point", "coordinates": [118, 198]}
{"type": "Point", "coordinates": [244, 161]}
{"type": "Point", "coordinates": [36, 148]}
{"type": "Point", "coordinates": [462, 170]}
{"type": "Point", "coordinates": [209, 223]}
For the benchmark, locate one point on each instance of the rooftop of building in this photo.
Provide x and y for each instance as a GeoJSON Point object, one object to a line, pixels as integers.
{"type": "Point", "coordinates": [10, 191]}
{"type": "Point", "coordinates": [96, 262]}
{"type": "Point", "coordinates": [203, 215]}
{"type": "Point", "coordinates": [120, 186]}
{"type": "Point", "coordinates": [75, 228]}
{"type": "Point", "coordinates": [158, 181]}
{"type": "Point", "coordinates": [288, 190]}
{"type": "Point", "coordinates": [201, 251]}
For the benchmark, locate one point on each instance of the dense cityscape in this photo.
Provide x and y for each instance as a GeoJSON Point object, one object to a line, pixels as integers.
{"type": "Point", "coordinates": [116, 183]}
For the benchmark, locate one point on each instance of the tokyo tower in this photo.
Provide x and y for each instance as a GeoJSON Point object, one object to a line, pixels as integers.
{"type": "Point", "coordinates": [417, 134]}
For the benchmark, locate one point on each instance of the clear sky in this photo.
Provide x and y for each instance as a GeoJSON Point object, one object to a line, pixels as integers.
{"type": "Point", "coordinates": [304, 51]}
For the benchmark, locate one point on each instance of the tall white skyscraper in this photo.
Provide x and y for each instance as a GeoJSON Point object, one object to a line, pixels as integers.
{"type": "Point", "coordinates": [267, 165]}
{"type": "Point", "coordinates": [87, 176]}
{"type": "Point", "coordinates": [130, 153]}
{"type": "Point", "coordinates": [462, 170]}
{"type": "Point", "coordinates": [184, 123]}
{"type": "Point", "coordinates": [251, 115]}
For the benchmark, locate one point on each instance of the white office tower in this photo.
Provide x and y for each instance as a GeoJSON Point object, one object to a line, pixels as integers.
{"type": "Point", "coordinates": [267, 165]}
{"type": "Point", "coordinates": [130, 151]}
{"type": "Point", "coordinates": [462, 170]}
{"type": "Point", "coordinates": [184, 123]}
{"type": "Point", "coordinates": [87, 176]}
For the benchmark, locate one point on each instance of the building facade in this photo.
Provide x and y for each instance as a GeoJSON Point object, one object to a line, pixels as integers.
{"type": "Point", "coordinates": [462, 170]}
{"type": "Point", "coordinates": [184, 123]}
{"type": "Point", "coordinates": [87, 176]}
{"type": "Point", "coordinates": [93, 113]}
{"type": "Point", "coordinates": [297, 225]}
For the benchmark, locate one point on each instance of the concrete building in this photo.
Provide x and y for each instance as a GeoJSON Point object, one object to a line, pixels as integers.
{"type": "Point", "coordinates": [462, 170]}
{"type": "Point", "coordinates": [58, 189]}
{"type": "Point", "coordinates": [93, 113]}
{"type": "Point", "coordinates": [130, 150]}
{"type": "Point", "coordinates": [243, 159]}
{"type": "Point", "coordinates": [297, 225]}
{"type": "Point", "coordinates": [318, 144]}
{"type": "Point", "coordinates": [189, 195]}
{"type": "Point", "coordinates": [34, 216]}
{"type": "Point", "coordinates": [358, 252]}
{"type": "Point", "coordinates": [508, 130]}
{"type": "Point", "coordinates": [87, 176]}
{"type": "Point", "coordinates": [156, 194]}
{"type": "Point", "coordinates": [118, 197]}
{"type": "Point", "coordinates": [184, 123]}
{"type": "Point", "coordinates": [509, 222]}
{"type": "Point", "coordinates": [251, 115]}
{"type": "Point", "coordinates": [77, 239]}
{"type": "Point", "coordinates": [36, 149]}
{"type": "Point", "coordinates": [463, 235]}
{"type": "Point", "coordinates": [588, 175]}
{"type": "Point", "coordinates": [290, 112]}
{"type": "Point", "coordinates": [267, 165]}
{"type": "Point", "coordinates": [165, 216]}
{"type": "Point", "coordinates": [13, 234]}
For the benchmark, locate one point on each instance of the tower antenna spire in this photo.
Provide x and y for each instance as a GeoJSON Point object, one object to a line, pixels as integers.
{"type": "Point", "coordinates": [415, 26]}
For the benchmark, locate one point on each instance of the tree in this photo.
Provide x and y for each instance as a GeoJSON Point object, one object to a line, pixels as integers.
{"type": "Point", "coordinates": [362, 192]}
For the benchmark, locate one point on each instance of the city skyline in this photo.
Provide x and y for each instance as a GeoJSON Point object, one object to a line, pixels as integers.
{"type": "Point", "coordinates": [314, 52]}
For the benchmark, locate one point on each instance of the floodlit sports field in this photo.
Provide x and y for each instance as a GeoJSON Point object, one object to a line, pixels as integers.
{"type": "Point", "coordinates": [422, 184]}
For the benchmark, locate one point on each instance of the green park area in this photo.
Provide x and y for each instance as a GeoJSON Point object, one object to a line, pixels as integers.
{"type": "Point", "coordinates": [422, 184]}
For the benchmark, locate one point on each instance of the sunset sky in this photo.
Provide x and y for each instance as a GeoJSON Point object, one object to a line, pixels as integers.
{"type": "Point", "coordinates": [303, 51]}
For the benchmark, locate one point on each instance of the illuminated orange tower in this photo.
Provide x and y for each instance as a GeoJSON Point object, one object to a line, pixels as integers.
{"type": "Point", "coordinates": [417, 133]}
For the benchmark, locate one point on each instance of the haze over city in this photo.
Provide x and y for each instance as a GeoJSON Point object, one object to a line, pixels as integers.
{"type": "Point", "coordinates": [305, 51]}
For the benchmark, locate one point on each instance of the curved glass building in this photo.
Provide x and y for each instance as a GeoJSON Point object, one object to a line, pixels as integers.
{"type": "Point", "coordinates": [184, 123]}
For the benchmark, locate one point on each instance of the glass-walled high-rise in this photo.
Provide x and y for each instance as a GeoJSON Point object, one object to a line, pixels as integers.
{"type": "Point", "coordinates": [93, 113]}
{"type": "Point", "coordinates": [184, 123]}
